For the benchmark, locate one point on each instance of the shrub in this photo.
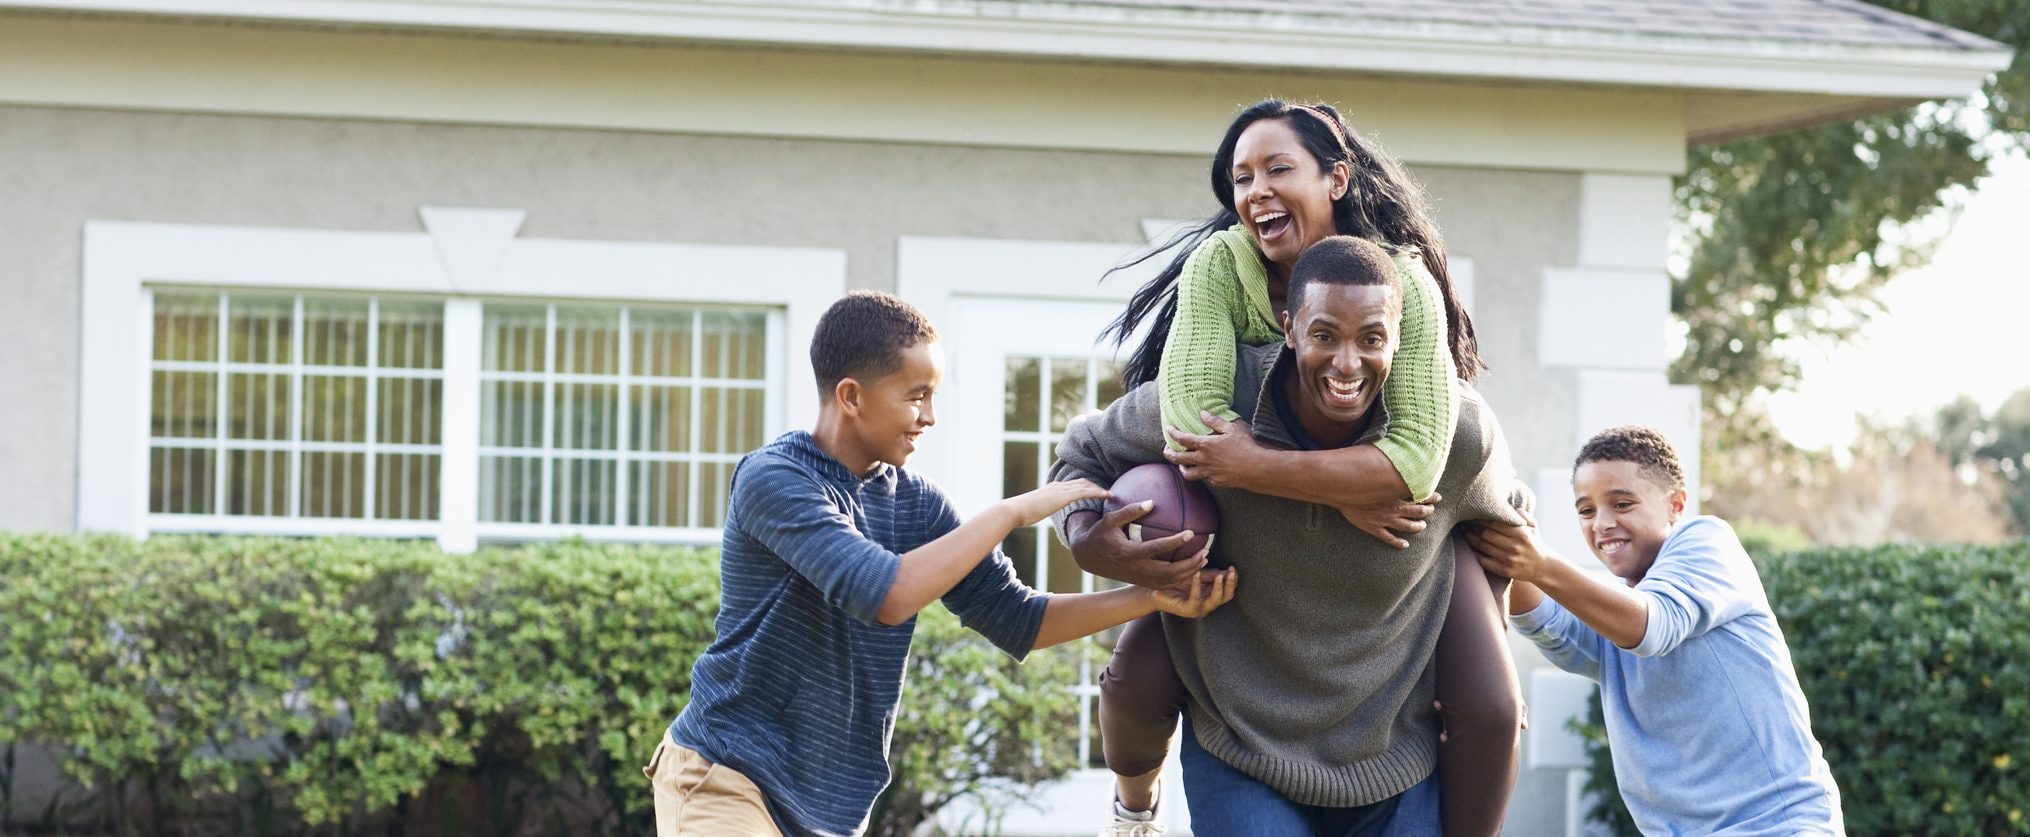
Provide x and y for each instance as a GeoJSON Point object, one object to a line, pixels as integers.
{"type": "Point", "coordinates": [1916, 663]}
{"type": "Point", "coordinates": [271, 685]}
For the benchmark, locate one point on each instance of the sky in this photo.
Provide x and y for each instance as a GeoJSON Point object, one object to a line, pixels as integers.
{"type": "Point", "coordinates": [1960, 325]}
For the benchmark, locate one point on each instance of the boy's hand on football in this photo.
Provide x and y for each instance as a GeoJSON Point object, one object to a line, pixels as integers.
{"type": "Point", "coordinates": [1033, 506]}
{"type": "Point", "coordinates": [1202, 595]}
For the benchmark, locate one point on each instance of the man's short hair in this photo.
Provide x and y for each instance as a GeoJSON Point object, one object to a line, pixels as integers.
{"type": "Point", "coordinates": [863, 335]}
{"type": "Point", "coordinates": [1652, 454]}
{"type": "Point", "coordinates": [1342, 260]}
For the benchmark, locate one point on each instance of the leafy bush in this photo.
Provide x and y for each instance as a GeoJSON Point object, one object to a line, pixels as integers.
{"type": "Point", "coordinates": [272, 686]}
{"type": "Point", "coordinates": [1916, 663]}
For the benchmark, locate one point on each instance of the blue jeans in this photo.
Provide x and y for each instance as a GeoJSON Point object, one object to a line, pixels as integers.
{"type": "Point", "coordinates": [1228, 803]}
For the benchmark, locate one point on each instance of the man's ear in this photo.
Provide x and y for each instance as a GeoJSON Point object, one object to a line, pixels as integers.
{"type": "Point", "coordinates": [847, 394]}
{"type": "Point", "coordinates": [1289, 338]}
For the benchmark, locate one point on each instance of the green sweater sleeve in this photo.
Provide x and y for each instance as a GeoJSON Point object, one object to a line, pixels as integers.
{"type": "Point", "coordinates": [1419, 387]}
{"type": "Point", "coordinates": [1216, 312]}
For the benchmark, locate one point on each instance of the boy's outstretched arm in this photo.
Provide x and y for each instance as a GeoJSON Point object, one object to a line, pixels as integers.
{"type": "Point", "coordinates": [930, 571]}
{"type": "Point", "coordinates": [1616, 612]}
{"type": "Point", "coordinates": [1068, 616]}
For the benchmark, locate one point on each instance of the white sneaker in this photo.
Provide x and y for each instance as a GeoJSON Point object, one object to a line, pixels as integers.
{"type": "Point", "coordinates": [1126, 823]}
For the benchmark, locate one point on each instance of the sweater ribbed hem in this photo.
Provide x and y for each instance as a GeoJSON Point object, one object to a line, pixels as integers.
{"type": "Point", "coordinates": [1402, 766]}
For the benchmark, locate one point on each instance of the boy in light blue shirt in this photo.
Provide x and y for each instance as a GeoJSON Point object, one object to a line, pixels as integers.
{"type": "Point", "coordinates": [1709, 730]}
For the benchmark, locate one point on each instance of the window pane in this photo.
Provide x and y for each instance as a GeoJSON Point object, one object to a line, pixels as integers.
{"type": "Point", "coordinates": [334, 484]}
{"type": "Point", "coordinates": [258, 329]}
{"type": "Point", "coordinates": [185, 405]}
{"type": "Point", "coordinates": [406, 486]}
{"type": "Point", "coordinates": [660, 492]}
{"type": "Point", "coordinates": [514, 338]}
{"type": "Point", "coordinates": [511, 414]}
{"type": "Point", "coordinates": [1065, 576]}
{"type": "Point", "coordinates": [731, 419]}
{"type": "Point", "coordinates": [662, 419]}
{"type": "Point", "coordinates": [410, 412]}
{"type": "Point", "coordinates": [1067, 391]}
{"type": "Point", "coordinates": [186, 326]}
{"type": "Point", "coordinates": [735, 345]}
{"type": "Point", "coordinates": [1110, 389]}
{"type": "Point", "coordinates": [587, 416]}
{"type": "Point", "coordinates": [510, 489]}
{"type": "Point", "coordinates": [334, 408]}
{"type": "Point", "coordinates": [412, 335]}
{"type": "Point", "coordinates": [713, 481]}
{"type": "Point", "coordinates": [1024, 376]}
{"type": "Point", "coordinates": [257, 406]}
{"type": "Point", "coordinates": [180, 480]}
{"type": "Point", "coordinates": [588, 341]}
{"type": "Point", "coordinates": [584, 491]}
{"type": "Point", "coordinates": [257, 483]}
{"type": "Point", "coordinates": [1020, 547]}
{"type": "Point", "coordinates": [335, 332]}
{"type": "Point", "coordinates": [661, 342]}
{"type": "Point", "coordinates": [1018, 468]}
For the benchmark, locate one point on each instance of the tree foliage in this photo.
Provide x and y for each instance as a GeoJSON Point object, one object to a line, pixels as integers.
{"type": "Point", "coordinates": [1789, 237]}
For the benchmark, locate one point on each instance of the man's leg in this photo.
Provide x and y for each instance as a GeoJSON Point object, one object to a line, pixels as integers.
{"type": "Point", "coordinates": [696, 797]}
{"type": "Point", "coordinates": [1417, 811]}
{"type": "Point", "coordinates": [1225, 801]}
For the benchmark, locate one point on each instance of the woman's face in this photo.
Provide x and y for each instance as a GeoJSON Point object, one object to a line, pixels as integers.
{"type": "Point", "coordinates": [1281, 194]}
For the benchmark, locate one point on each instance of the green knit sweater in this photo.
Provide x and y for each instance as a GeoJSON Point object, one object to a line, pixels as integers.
{"type": "Point", "coordinates": [1223, 301]}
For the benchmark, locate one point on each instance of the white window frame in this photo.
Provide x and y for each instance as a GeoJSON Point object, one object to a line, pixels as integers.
{"type": "Point", "coordinates": [465, 256]}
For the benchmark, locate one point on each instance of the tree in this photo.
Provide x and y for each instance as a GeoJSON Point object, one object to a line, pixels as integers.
{"type": "Point", "coordinates": [1787, 239]}
{"type": "Point", "coordinates": [1999, 444]}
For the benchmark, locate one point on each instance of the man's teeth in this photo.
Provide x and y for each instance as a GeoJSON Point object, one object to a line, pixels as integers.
{"type": "Point", "coordinates": [1343, 389]}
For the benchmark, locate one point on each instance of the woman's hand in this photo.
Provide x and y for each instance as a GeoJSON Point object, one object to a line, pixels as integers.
{"type": "Point", "coordinates": [1384, 519]}
{"type": "Point", "coordinates": [1226, 458]}
{"type": "Point", "coordinates": [1199, 596]}
{"type": "Point", "coordinates": [1032, 506]}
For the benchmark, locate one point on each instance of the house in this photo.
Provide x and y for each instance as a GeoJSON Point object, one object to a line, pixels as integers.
{"type": "Point", "coordinates": [495, 270]}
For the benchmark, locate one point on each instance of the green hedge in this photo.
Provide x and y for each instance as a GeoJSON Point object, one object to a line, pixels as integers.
{"type": "Point", "coordinates": [342, 685]}
{"type": "Point", "coordinates": [1916, 662]}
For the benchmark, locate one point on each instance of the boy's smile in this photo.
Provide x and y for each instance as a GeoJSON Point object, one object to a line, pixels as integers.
{"type": "Point", "coordinates": [1625, 515]}
{"type": "Point", "coordinates": [892, 412]}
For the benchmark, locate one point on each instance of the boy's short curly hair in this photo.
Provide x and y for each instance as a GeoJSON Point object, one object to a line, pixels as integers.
{"type": "Point", "coordinates": [862, 337]}
{"type": "Point", "coordinates": [1645, 446]}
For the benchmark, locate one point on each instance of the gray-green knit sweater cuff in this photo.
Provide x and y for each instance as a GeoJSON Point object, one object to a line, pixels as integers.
{"type": "Point", "coordinates": [1402, 766]}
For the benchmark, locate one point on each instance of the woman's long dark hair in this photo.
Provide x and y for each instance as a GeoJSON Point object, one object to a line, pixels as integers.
{"type": "Point", "coordinates": [1382, 203]}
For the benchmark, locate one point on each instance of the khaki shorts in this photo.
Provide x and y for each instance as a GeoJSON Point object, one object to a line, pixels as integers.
{"type": "Point", "coordinates": [696, 797]}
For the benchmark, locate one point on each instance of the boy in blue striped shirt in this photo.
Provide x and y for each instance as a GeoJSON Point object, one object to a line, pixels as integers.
{"type": "Point", "coordinates": [1710, 732]}
{"type": "Point", "coordinates": [831, 548]}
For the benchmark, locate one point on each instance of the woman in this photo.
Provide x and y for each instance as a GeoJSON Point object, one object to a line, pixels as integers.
{"type": "Point", "coordinates": [1287, 176]}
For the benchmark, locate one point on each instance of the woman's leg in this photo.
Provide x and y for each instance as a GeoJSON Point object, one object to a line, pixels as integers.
{"type": "Point", "coordinates": [1482, 700]}
{"type": "Point", "coordinates": [1140, 699]}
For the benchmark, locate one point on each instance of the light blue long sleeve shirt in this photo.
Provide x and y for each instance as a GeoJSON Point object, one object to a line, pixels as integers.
{"type": "Point", "coordinates": [1709, 730]}
{"type": "Point", "coordinates": [799, 690]}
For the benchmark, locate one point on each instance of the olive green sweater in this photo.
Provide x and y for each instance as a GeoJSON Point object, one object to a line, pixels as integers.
{"type": "Point", "coordinates": [1316, 679]}
{"type": "Point", "coordinates": [1223, 302]}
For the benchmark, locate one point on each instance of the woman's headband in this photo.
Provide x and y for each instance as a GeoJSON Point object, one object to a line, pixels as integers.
{"type": "Point", "coordinates": [1331, 124]}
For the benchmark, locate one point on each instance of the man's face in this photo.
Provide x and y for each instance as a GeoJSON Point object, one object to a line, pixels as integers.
{"type": "Point", "coordinates": [1344, 337]}
{"type": "Point", "coordinates": [1625, 515]}
{"type": "Point", "coordinates": [895, 409]}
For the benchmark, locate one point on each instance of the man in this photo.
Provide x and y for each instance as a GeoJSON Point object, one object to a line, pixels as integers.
{"type": "Point", "coordinates": [1310, 696]}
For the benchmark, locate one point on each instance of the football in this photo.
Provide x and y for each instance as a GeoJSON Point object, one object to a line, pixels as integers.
{"type": "Point", "coordinates": [1180, 504]}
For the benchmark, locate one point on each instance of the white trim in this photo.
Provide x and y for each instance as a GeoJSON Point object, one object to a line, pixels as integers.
{"type": "Point", "coordinates": [937, 274]}
{"type": "Point", "coordinates": [1156, 34]}
{"type": "Point", "coordinates": [1604, 318]}
{"type": "Point", "coordinates": [458, 479]}
{"type": "Point", "coordinates": [123, 259]}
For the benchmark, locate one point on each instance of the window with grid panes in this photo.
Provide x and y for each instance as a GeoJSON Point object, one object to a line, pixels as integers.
{"type": "Point", "coordinates": [331, 407]}
{"type": "Point", "coordinates": [617, 416]}
{"type": "Point", "coordinates": [1042, 395]}
{"type": "Point", "coordinates": [295, 407]}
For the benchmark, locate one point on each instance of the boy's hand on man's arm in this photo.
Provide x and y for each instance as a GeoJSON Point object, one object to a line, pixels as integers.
{"type": "Point", "coordinates": [1612, 610]}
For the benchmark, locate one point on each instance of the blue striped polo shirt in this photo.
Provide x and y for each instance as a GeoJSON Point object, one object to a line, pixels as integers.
{"type": "Point", "coordinates": [799, 689]}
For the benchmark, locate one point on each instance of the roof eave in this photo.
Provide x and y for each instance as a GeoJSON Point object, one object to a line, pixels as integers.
{"type": "Point", "coordinates": [1069, 31]}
